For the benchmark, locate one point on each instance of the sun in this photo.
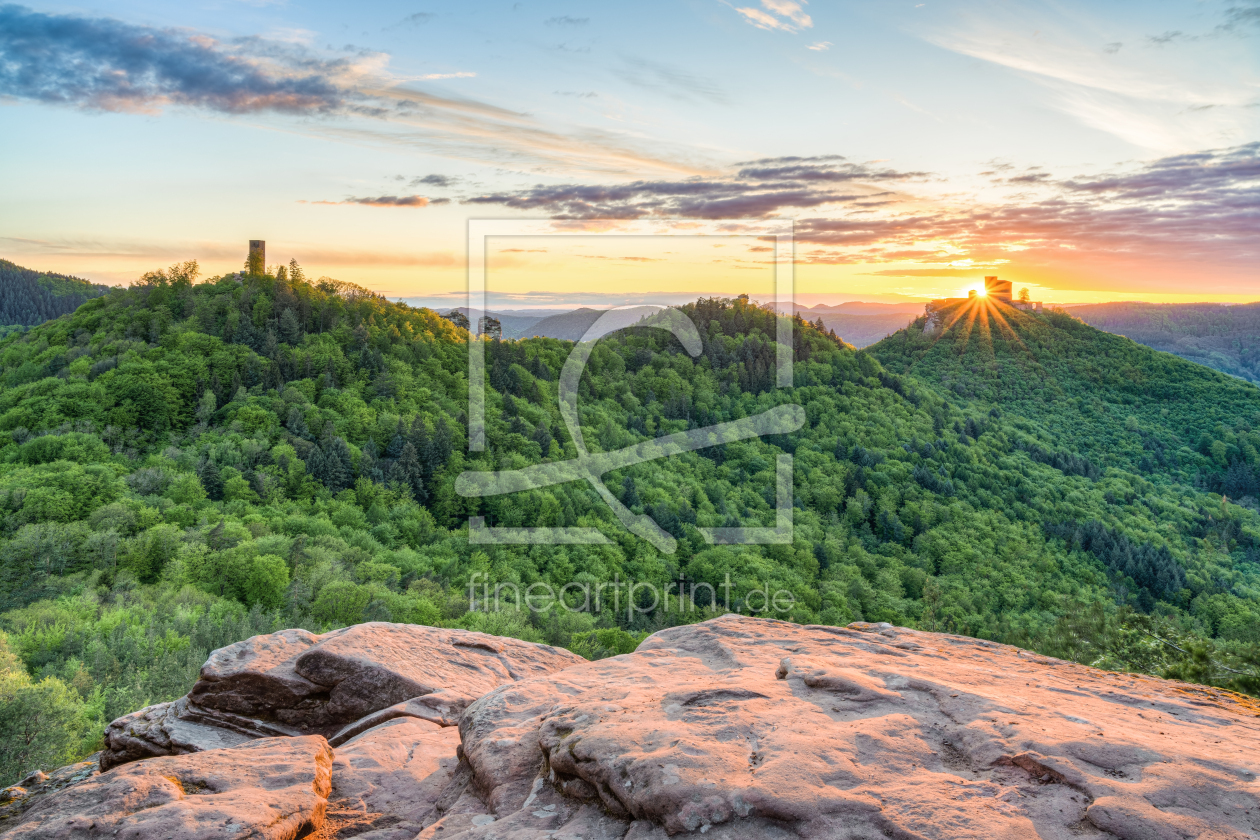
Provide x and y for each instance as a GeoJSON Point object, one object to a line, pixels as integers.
{"type": "Point", "coordinates": [977, 289]}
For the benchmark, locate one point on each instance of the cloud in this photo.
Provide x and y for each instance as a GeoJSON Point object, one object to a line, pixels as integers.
{"type": "Point", "coordinates": [1140, 94]}
{"type": "Point", "coordinates": [621, 259]}
{"type": "Point", "coordinates": [433, 76]}
{"type": "Point", "coordinates": [784, 15]}
{"type": "Point", "coordinates": [104, 64]}
{"type": "Point", "coordinates": [1237, 17]}
{"type": "Point", "coordinates": [760, 188]}
{"type": "Point", "coordinates": [672, 81]}
{"type": "Point", "coordinates": [1203, 206]}
{"type": "Point", "coordinates": [412, 21]}
{"type": "Point", "coordinates": [1202, 177]}
{"type": "Point", "coordinates": [821, 46]}
{"type": "Point", "coordinates": [389, 201]}
{"type": "Point", "coordinates": [441, 181]}
{"type": "Point", "coordinates": [586, 94]}
{"type": "Point", "coordinates": [1177, 209]}
{"type": "Point", "coordinates": [565, 20]}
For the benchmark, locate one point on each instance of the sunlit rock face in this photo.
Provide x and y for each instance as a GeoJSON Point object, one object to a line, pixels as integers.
{"type": "Point", "coordinates": [759, 726]}
{"type": "Point", "coordinates": [273, 788]}
{"type": "Point", "coordinates": [733, 728]}
{"type": "Point", "coordinates": [297, 683]}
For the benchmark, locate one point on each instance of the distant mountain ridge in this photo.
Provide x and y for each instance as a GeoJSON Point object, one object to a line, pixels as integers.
{"type": "Point", "coordinates": [1222, 337]}
{"type": "Point", "coordinates": [569, 324]}
{"type": "Point", "coordinates": [29, 297]}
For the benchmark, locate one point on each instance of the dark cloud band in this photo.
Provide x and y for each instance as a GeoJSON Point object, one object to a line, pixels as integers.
{"type": "Point", "coordinates": [106, 64]}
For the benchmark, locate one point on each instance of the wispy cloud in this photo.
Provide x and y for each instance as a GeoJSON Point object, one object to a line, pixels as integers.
{"type": "Point", "coordinates": [672, 81]}
{"type": "Point", "coordinates": [1184, 207]}
{"type": "Point", "coordinates": [103, 64]}
{"type": "Point", "coordinates": [759, 188]}
{"type": "Point", "coordinates": [388, 201]}
{"type": "Point", "coordinates": [1141, 94]}
{"type": "Point", "coordinates": [821, 46]}
{"type": "Point", "coordinates": [784, 15]}
{"type": "Point", "coordinates": [413, 20]}
{"type": "Point", "coordinates": [565, 20]}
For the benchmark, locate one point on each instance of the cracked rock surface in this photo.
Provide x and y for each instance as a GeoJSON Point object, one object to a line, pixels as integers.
{"type": "Point", "coordinates": [736, 728]}
{"type": "Point", "coordinates": [760, 727]}
{"type": "Point", "coordinates": [297, 683]}
{"type": "Point", "coordinates": [268, 789]}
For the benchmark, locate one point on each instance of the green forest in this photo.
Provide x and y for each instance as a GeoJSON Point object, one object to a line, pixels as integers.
{"type": "Point", "coordinates": [29, 297]}
{"type": "Point", "coordinates": [186, 463]}
{"type": "Point", "coordinates": [1220, 336]}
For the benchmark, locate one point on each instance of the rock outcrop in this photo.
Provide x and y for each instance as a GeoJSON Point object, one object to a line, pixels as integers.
{"type": "Point", "coordinates": [17, 799]}
{"type": "Point", "coordinates": [297, 683]}
{"type": "Point", "coordinates": [733, 728]}
{"type": "Point", "coordinates": [755, 728]}
{"type": "Point", "coordinates": [387, 781]}
{"type": "Point", "coordinates": [268, 789]}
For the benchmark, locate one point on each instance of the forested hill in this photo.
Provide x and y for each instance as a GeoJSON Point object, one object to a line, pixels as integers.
{"type": "Point", "coordinates": [1100, 397]}
{"type": "Point", "coordinates": [29, 297]}
{"type": "Point", "coordinates": [1226, 338]}
{"type": "Point", "coordinates": [186, 464]}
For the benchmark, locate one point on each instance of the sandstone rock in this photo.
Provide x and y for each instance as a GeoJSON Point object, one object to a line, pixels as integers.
{"type": "Point", "coordinates": [743, 727]}
{"type": "Point", "coordinates": [268, 789]}
{"type": "Point", "coordinates": [294, 682]}
{"type": "Point", "coordinates": [320, 683]}
{"type": "Point", "coordinates": [443, 707]}
{"type": "Point", "coordinates": [16, 800]}
{"type": "Point", "coordinates": [178, 728]}
{"type": "Point", "coordinates": [387, 781]}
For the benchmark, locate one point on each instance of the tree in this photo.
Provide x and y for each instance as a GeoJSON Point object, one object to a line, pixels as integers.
{"type": "Point", "coordinates": [210, 479]}
{"type": "Point", "coordinates": [186, 489]}
{"type": "Point", "coordinates": [268, 579]}
{"type": "Point", "coordinates": [407, 471]}
{"type": "Point", "coordinates": [1024, 297]}
{"type": "Point", "coordinates": [338, 465]}
{"type": "Point", "coordinates": [207, 406]}
{"type": "Point", "coordinates": [341, 602]}
{"type": "Point", "coordinates": [290, 328]}
{"type": "Point", "coordinates": [41, 723]}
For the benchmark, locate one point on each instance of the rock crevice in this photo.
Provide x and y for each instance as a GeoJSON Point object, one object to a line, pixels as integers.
{"type": "Point", "coordinates": [732, 728]}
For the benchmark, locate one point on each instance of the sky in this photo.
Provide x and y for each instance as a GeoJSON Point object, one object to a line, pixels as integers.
{"type": "Point", "coordinates": [1085, 151]}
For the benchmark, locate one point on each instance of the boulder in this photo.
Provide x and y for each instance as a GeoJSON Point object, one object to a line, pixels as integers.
{"type": "Point", "coordinates": [17, 799]}
{"type": "Point", "coordinates": [266, 789]}
{"type": "Point", "coordinates": [742, 727]}
{"type": "Point", "coordinates": [178, 728]}
{"type": "Point", "coordinates": [298, 683]}
{"type": "Point", "coordinates": [387, 781]}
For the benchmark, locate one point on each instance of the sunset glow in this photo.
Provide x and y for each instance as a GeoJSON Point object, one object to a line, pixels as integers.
{"type": "Point", "coordinates": [1104, 177]}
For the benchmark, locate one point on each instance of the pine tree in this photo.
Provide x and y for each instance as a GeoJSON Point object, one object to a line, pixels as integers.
{"type": "Point", "coordinates": [208, 472]}
{"type": "Point", "coordinates": [396, 443]}
{"type": "Point", "coordinates": [338, 465]}
{"type": "Point", "coordinates": [407, 471]}
{"type": "Point", "coordinates": [296, 423]}
{"type": "Point", "coordinates": [316, 465]}
{"type": "Point", "coordinates": [290, 328]}
{"type": "Point", "coordinates": [542, 436]}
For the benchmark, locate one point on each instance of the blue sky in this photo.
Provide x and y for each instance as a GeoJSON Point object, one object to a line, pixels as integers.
{"type": "Point", "coordinates": [1090, 151]}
